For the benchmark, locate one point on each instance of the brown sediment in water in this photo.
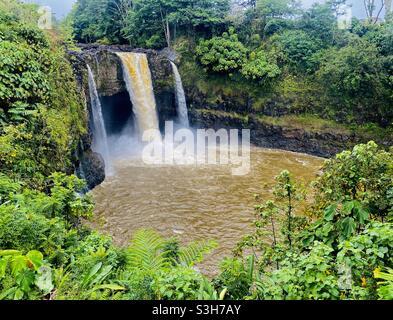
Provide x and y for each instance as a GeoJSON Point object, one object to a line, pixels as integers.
{"type": "Point", "coordinates": [193, 202]}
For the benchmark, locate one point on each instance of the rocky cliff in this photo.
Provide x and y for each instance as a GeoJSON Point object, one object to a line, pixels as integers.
{"type": "Point", "coordinates": [108, 73]}
{"type": "Point", "coordinates": [234, 110]}
{"type": "Point", "coordinates": [88, 164]}
{"type": "Point", "coordinates": [211, 106]}
{"type": "Point", "coordinates": [263, 134]}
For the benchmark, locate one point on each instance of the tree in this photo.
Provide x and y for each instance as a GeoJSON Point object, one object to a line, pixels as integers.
{"type": "Point", "coordinates": [287, 193]}
{"type": "Point", "coordinates": [320, 22]}
{"type": "Point", "coordinates": [224, 54]}
{"type": "Point", "coordinates": [388, 10]}
{"type": "Point", "coordinates": [269, 12]}
{"type": "Point", "coordinates": [277, 8]}
{"type": "Point", "coordinates": [146, 24]}
{"type": "Point", "coordinates": [260, 66]}
{"type": "Point", "coordinates": [122, 7]}
{"type": "Point", "coordinates": [98, 20]}
{"type": "Point", "coordinates": [382, 37]}
{"type": "Point", "coordinates": [203, 17]}
{"type": "Point", "coordinates": [152, 21]}
{"type": "Point", "coordinates": [23, 82]}
{"type": "Point", "coordinates": [245, 3]}
{"type": "Point", "coordinates": [364, 174]}
{"type": "Point", "coordinates": [374, 6]}
{"type": "Point", "coordinates": [356, 80]}
{"type": "Point", "coordinates": [299, 49]}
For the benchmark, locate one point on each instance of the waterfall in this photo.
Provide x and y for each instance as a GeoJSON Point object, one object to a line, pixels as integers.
{"type": "Point", "coordinates": [180, 98]}
{"type": "Point", "coordinates": [100, 139]}
{"type": "Point", "coordinates": [80, 172]}
{"type": "Point", "coordinates": [137, 77]}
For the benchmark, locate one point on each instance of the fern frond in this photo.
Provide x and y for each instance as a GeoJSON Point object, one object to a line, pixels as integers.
{"type": "Point", "coordinates": [145, 252]}
{"type": "Point", "coordinates": [195, 252]}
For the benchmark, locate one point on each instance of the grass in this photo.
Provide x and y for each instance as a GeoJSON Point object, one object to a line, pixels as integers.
{"type": "Point", "coordinates": [312, 124]}
{"type": "Point", "coordinates": [223, 114]}
{"type": "Point", "coordinates": [306, 122]}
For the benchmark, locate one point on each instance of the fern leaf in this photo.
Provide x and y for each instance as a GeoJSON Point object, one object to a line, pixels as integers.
{"type": "Point", "coordinates": [195, 252]}
{"type": "Point", "coordinates": [145, 252]}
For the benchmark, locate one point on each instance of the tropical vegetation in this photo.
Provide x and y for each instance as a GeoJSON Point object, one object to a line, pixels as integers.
{"type": "Point", "coordinates": [333, 241]}
{"type": "Point", "coordinates": [267, 50]}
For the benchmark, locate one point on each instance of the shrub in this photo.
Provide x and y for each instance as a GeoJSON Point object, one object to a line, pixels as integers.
{"type": "Point", "coordinates": [24, 276]}
{"type": "Point", "coordinates": [260, 66]}
{"type": "Point", "coordinates": [299, 49]}
{"type": "Point", "coordinates": [224, 54]}
{"type": "Point", "coordinates": [364, 174]}
{"type": "Point", "coordinates": [180, 283]}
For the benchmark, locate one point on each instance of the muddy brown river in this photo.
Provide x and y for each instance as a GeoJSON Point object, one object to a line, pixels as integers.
{"type": "Point", "coordinates": [192, 202]}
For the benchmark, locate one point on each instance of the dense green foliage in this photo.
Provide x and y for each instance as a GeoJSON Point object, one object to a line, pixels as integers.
{"type": "Point", "coordinates": [344, 74]}
{"type": "Point", "coordinates": [45, 251]}
{"type": "Point", "coordinates": [336, 254]}
{"type": "Point", "coordinates": [222, 54]}
{"type": "Point", "coordinates": [147, 22]}
{"type": "Point", "coordinates": [337, 244]}
{"type": "Point", "coordinates": [41, 117]}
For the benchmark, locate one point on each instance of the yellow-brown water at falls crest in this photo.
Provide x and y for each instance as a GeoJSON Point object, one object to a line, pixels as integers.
{"type": "Point", "coordinates": [193, 202]}
{"type": "Point", "coordinates": [137, 76]}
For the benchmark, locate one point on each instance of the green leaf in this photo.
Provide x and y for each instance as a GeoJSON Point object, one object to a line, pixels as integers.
{"type": "Point", "coordinates": [103, 274]}
{"type": "Point", "coordinates": [348, 226]}
{"type": "Point", "coordinates": [3, 267]}
{"type": "Point", "coordinates": [195, 252]}
{"type": "Point", "coordinates": [361, 215]}
{"type": "Point", "coordinates": [36, 258]}
{"type": "Point", "coordinates": [223, 293]}
{"type": "Point", "coordinates": [8, 293]}
{"type": "Point", "coordinates": [18, 294]}
{"type": "Point", "coordinates": [109, 286]}
{"type": "Point", "coordinates": [18, 264]}
{"type": "Point", "coordinates": [9, 252]}
{"type": "Point", "coordinates": [44, 280]}
{"type": "Point", "coordinates": [348, 207]}
{"type": "Point", "coordinates": [92, 272]}
{"type": "Point", "coordinates": [25, 280]}
{"type": "Point", "coordinates": [329, 212]}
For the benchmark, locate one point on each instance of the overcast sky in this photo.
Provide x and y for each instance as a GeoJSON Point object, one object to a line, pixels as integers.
{"type": "Point", "coordinates": [59, 7]}
{"type": "Point", "coordinates": [62, 7]}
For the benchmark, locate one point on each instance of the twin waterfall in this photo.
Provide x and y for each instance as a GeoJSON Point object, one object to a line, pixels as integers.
{"type": "Point", "coordinates": [138, 79]}
{"type": "Point", "coordinates": [100, 138]}
{"type": "Point", "coordinates": [180, 98]}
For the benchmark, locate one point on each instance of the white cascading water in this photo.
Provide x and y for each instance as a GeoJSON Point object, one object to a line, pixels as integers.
{"type": "Point", "coordinates": [180, 98]}
{"type": "Point", "coordinates": [137, 77]}
{"type": "Point", "coordinates": [100, 139]}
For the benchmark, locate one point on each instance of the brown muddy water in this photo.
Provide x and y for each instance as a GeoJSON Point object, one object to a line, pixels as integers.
{"type": "Point", "coordinates": [193, 202]}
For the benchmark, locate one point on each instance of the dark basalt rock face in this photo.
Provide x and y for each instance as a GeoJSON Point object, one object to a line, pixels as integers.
{"type": "Point", "coordinates": [92, 169]}
{"type": "Point", "coordinates": [108, 72]}
{"type": "Point", "coordinates": [235, 110]}
{"type": "Point", "coordinates": [265, 135]}
{"type": "Point", "coordinates": [88, 164]}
